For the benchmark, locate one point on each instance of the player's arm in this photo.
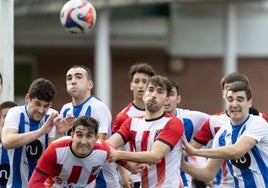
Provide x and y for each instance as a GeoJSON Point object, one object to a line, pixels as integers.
{"type": "Point", "coordinates": [126, 179]}
{"type": "Point", "coordinates": [12, 139]}
{"type": "Point", "coordinates": [158, 151]}
{"type": "Point", "coordinates": [196, 144]}
{"type": "Point", "coordinates": [205, 174]}
{"type": "Point", "coordinates": [37, 179]}
{"type": "Point", "coordinates": [234, 151]}
{"type": "Point", "coordinates": [116, 140]}
{"type": "Point", "coordinates": [102, 136]}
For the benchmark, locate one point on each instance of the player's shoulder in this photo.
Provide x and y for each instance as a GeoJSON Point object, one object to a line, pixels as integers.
{"type": "Point", "coordinates": [96, 103]}
{"type": "Point", "coordinates": [101, 145]}
{"type": "Point", "coordinates": [195, 114]}
{"type": "Point", "coordinates": [62, 141]}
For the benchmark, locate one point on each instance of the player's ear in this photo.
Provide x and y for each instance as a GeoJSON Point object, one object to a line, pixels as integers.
{"type": "Point", "coordinates": [27, 98]}
{"type": "Point", "coordinates": [72, 135]}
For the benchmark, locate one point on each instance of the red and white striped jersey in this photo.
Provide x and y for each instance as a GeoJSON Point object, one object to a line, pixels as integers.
{"type": "Point", "coordinates": [142, 133]}
{"type": "Point", "coordinates": [66, 169]}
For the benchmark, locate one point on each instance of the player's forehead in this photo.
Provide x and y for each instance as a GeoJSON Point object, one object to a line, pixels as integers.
{"type": "Point", "coordinates": [236, 94]}
{"type": "Point", "coordinates": [74, 71]}
{"type": "Point", "coordinates": [84, 129]}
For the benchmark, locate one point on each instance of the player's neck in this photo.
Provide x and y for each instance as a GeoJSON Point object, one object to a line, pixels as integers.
{"type": "Point", "coordinates": [153, 115]}
{"type": "Point", "coordinates": [139, 103]}
{"type": "Point", "coordinates": [79, 100]}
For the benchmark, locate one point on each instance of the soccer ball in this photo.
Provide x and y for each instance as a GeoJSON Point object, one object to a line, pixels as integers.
{"type": "Point", "coordinates": [78, 16]}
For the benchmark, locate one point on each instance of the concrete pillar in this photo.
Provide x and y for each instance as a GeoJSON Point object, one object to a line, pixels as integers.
{"type": "Point", "coordinates": [7, 48]}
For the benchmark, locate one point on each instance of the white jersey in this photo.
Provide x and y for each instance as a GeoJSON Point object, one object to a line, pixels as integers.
{"type": "Point", "coordinates": [95, 108]}
{"type": "Point", "coordinates": [92, 107]}
{"type": "Point", "coordinates": [143, 133]}
{"type": "Point", "coordinates": [192, 121]}
{"type": "Point", "coordinates": [250, 170]}
{"type": "Point", "coordinates": [24, 159]}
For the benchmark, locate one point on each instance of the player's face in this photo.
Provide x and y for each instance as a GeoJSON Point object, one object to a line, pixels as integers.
{"type": "Point", "coordinates": [154, 98]}
{"type": "Point", "coordinates": [77, 82]}
{"type": "Point", "coordinates": [38, 108]}
{"type": "Point", "coordinates": [83, 141]}
{"type": "Point", "coordinates": [237, 106]}
{"type": "Point", "coordinates": [138, 85]}
{"type": "Point", "coordinates": [3, 114]}
{"type": "Point", "coordinates": [174, 100]}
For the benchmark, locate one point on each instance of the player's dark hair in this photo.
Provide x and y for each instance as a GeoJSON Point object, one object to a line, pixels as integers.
{"type": "Point", "coordinates": [141, 67]}
{"type": "Point", "coordinates": [42, 89]}
{"type": "Point", "coordinates": [7, 104]}
{"type": "Point", "coordinates": [233, 77]}
{"type": "Point", "coordinates": [176, 85]}
{"type": "Point", "coordinates": [88, 122]}
{"type": "Point", "coordinates": [89, 73]}
{"type": "Point", "coordinates": [162, 82]}
{"type": "Point", "coordinates": [241, 86]}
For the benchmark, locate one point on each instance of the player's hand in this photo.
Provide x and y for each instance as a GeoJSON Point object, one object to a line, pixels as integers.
{"type": "Point", "coordinates": [49, 124]}
{"type": "Point", "coordinates": [126, 180]}
{"type": "Point", "coordinates": [135, 168]}
{"type": "Point", "coordinates": [187, 147]}
{"type": "Point", "coordinates": [64, 124]}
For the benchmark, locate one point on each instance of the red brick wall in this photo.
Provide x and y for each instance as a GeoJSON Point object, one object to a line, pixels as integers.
{"type": "Point", "coordinates": [199, 81]}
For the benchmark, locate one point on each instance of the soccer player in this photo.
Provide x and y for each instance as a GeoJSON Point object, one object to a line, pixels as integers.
{"type": "Point", "coordinates": [4, 162]}
{"type": "Point", "coordinates": [192, 121]}
{"type": "Point", "coordinates": [242, 141]}
{"type": "Point", "coordinates": [205, 136]}
{"type": "Point", "coordinates": [28, 129]}
{"type": "Point", "coordinates": [73, 161]}
{"type": "Point", "coordinates": [156, 138]}
{"type": "Point", "coordinates": [139, 74]}
{"type": "Point", "coordinates": [79, 83]}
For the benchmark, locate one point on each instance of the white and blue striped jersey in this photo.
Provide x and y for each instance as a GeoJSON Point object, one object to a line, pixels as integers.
{"type": "Point", "coordinates": [24, 159]}
{"type": "Point", "coordinates": [192, 121]}
{"type": "Point", "coordinates": [108, 177]}
{"type": "Point", "coordinates": [4, 166]}
{"type": "Point", "coordinates": [92, 107]}
{"type": "Point", "coordinates": [250, 170]}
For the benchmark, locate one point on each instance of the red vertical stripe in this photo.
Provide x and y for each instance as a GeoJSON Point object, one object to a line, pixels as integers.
{"type": "Point", "coordinates": [74, 174]}
{"type": "Point", "coordinates": [144, 178]}
{"type": "Point", "coordinates": [161, 172]}
{"type": "Point", "coordinates": [132, 145]}
{"type": "Point", "coordinates": [144, 141]}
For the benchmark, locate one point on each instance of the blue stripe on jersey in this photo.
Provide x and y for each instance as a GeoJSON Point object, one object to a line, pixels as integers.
{"type": "Point", "coordinates": [4, 167]}
{"type": "Point", "coordinates": [100, 180]}
{"type": "Point", "coordinates": [88, 112]}
{"type": "Point", "coordinates": [4, 156]}
{"type": "Point", "coordinates": [188, 127]}
{"type": "Point", "coordinates": [261, 164]}
{"type": "Point", "coordinates": [16, 182]}
{"type": "Point", "coordinates": [64, 114]}
{"type": "Point", "coordinates": [248, 178]}
{"type": "Point", "coordinates": [188, 131]}
{"type": "Point", "coordinates": [77, 109]}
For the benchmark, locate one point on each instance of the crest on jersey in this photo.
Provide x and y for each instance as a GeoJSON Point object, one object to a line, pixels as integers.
{"type": "Point", "coordinates": [157, 132]}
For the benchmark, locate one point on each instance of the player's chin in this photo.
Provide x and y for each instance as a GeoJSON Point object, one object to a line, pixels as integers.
{"type": "Point", "coordinates": [83, 153]}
